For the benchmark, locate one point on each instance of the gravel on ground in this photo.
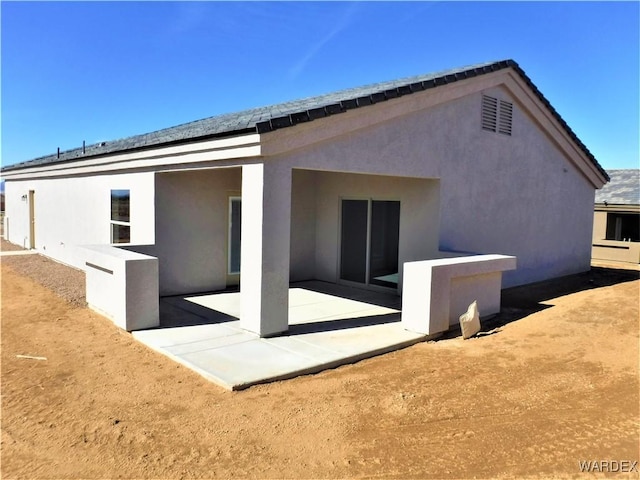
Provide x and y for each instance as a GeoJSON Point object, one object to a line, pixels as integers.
{"type": "Point", "coordinates": [65, 281]}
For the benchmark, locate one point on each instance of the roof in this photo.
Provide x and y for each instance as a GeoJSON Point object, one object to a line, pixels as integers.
{"type": "Point", "coordinates": [282, 115]}
{"type": "Point", "coordinates": [622, 189]}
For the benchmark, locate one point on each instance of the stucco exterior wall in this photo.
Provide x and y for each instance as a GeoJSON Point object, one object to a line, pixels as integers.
{"type": "Point", "coordinates": [419, 207]}
{"type": "Point", "coordinates": [599, 226]}
{"type": "Point", "coordinates": [303, 225]}
{"type": "Point", "coordinates": [77, 211]}
{"type": "Point", "coordinates": [515, 195]}
{"type": "Point", "coordinates": [617, 251]}
{"type": "Point", "coordinates": [192, 228]}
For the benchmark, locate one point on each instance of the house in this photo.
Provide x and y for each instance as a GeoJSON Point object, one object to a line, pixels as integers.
{"type": "Point", "coordinates": [345, 187]}
{"type": "Point", "coordinates": [616, 222]}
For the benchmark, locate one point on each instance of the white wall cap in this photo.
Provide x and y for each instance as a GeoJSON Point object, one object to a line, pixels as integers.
{"type": "Point", "coordinates": [116, 252]}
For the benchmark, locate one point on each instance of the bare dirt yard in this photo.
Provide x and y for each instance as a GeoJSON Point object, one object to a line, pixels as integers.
{"type": "Point", "coordinates": [552, 382]}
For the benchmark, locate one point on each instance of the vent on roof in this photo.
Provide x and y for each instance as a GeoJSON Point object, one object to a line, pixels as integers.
{"type": "Point", "coordinates": [497, 115]}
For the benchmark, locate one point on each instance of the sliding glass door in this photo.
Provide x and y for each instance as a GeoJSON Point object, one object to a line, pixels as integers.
{"type": "Point", "coordinates": [353, 254]}
{"type": "Point", "coordinates": [370, 231]}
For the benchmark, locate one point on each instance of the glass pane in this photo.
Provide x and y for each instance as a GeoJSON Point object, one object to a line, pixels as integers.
{"type": "Point", "coordinates": [120, 205]}
{"type": "Point", "coordinates": [235, 218]}
{"type": "Point", "coordinates": [623, 226]}
{"type": "Point", "coordinates": [385, 232]}
{"type": "Point", "coordinates": [120, 233]}
{"type": "Point", "coordinates": [353, 250]}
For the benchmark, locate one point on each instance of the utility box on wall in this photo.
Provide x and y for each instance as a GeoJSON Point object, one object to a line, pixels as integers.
{"type": "Point", "coordinates": [123, 286]}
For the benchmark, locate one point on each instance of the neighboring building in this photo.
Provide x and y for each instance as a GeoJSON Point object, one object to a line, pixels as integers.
{"type": "Point", "coordinates": [616, 224]}
{"type": "Point", "coordinates": [343, 187]}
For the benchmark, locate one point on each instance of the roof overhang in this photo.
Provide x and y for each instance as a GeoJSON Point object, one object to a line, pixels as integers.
{"type": "Point", "coordinates": [616, 208]}
{"type": "Point", "coordinates": [161, 157]}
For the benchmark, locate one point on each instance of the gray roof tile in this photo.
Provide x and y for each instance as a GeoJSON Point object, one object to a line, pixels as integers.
{"type": "Point", "coordinates": [265, 119]}
{"type": "Point", "coordinates": [622, 189]}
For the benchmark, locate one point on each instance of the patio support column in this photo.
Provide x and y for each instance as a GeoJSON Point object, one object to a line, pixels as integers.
{"type": "Point", "coordinates": [264, 268]}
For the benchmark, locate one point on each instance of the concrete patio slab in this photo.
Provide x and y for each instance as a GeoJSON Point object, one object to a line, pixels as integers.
{"type": "Point", "coordinates": [326, 330]}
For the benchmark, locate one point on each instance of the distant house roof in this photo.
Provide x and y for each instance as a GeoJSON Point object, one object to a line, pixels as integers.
{"type": "Point", "coordinates": [266, 119]}
{"type": "Point", "coordinates": [622, 189]}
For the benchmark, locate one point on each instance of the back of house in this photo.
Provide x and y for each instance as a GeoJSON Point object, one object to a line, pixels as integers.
{"type": "Point", "coordinates": [345, 187]}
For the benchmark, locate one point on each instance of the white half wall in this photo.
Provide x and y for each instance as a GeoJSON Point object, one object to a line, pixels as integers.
{"type": "Point", "coordinates": [438, 291]}
{"type": "Point", "coordinates": [123, 286]}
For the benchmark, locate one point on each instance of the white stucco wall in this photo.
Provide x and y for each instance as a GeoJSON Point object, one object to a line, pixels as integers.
{"type": "Point", "coordinates": [192, 228]}
{"type": "Point", "coordinates": [517, 195]}
{"type": "Point", "coordinates": [419, 207]}
{"type": "Point", "coordinates": [77, 211]}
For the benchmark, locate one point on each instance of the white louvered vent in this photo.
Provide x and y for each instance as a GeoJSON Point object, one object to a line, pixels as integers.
{"type": "Point", "coordinates": [504, 118]}
{"type": "Point", "coordinates": [489, 113]}
{"type": "Point", "coordinates": [497, 115]}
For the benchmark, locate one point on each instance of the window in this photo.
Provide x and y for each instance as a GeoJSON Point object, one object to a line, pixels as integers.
{"type": "Point", "coordinates": [235, 220]}
{"type": "Point", "coordinates": [623, 226]}
{"type": "Point", "coordinates": [120, 218]}
{"type": "Point", "coordinates": [497, 115]}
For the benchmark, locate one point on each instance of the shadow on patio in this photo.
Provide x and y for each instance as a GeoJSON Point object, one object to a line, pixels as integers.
{"type": "Point", "coordinates": [314, 306]}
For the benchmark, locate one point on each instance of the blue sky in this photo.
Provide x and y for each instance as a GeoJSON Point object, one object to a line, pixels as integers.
{"type": "Point", "coordinates": [94, 71]}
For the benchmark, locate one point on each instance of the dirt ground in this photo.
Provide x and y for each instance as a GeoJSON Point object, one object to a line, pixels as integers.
{"type": "Point", "coordinates": [553, 381]}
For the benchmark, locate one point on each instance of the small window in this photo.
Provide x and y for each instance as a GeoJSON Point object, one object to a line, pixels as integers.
{"type": "Point", "coordinates": [497, 115]}
{"type": "Point", "coordinates": [623, 227]}
{"type": "Point", "coordinates": [235, 231]}
{"type": "Point", "coordinates": [120, 216]}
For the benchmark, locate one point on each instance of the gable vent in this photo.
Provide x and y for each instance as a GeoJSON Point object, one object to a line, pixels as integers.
{"type": "Point", "coordinates": [489, 113]}
{"type": "Point", "coordinates": [497, 115]}
{"type": "Point", "coordinates": [504, 119]}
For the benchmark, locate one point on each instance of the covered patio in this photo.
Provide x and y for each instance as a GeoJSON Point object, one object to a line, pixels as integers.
{"type": "Point", "coordinates": [287, 225]}
{"type": "Point", "coordinates": [329, 325]}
